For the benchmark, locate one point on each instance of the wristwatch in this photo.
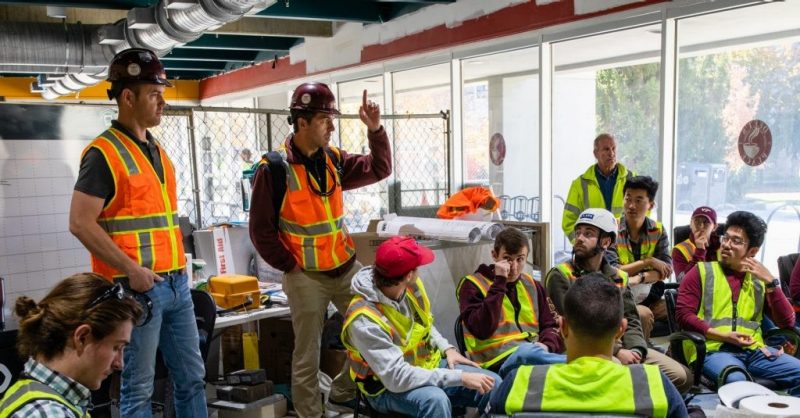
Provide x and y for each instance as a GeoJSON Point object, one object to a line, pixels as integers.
{"type": "Point", "coordinates": [775, 283]}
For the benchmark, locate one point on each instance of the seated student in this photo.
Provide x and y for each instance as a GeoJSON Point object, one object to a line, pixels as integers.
{"type": "Point", "coordinates": [590, 381]}
{"type": "Point", "coordinates": [398, 358]}
{"type": "Point", "coordinates": [595, 230]}
{"type": "Point", "coordinates": [794, 289]}
{"type": "Point", "coordinates": [642, 250]}
{"type": "Point", "coordinates": [702, 244]}
{"type": "Point", "coordinates": [73, 339]}
{"type": "Point", "coordinates": [725, 301]}
{"type": "Point", "coordinates": [506, 318]}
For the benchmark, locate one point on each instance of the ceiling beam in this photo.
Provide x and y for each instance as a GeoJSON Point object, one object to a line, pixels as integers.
{"type": "Point", "coordinates": [193, 66]}
{"type": "Point", "coordinates": [359, 11]}
{"type": "Point", "coordinates": [211, 55]}
{"type": "Point", "coordinates": [105, 4]}
{"type": "Point", "coordinates": [243, 43]}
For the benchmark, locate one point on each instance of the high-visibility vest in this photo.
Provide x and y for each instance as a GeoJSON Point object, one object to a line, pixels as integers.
{"type": "Point", "coordinates": [687, 249]}
{"type": "Point", "coordinates": [411, 336]}
{"type": "Point", "coordinates": [25, 391]}
{"type": "Point", "coordinates": [584, 193]}
{"type": "Point", "coordinates": [142, 217]}
{"type": "Point", "coordinates": [589, 384]}
{"type": "Point", "coordinates": [649, 241]}
{"type": "Point", "coordinates": [718, 310]}
{"type": "Point", "coordinates": [511, 330]}
{"type": "Point", "coordinates": [567, 269]}
{"type": "Point", "coordinates": [311, 226]}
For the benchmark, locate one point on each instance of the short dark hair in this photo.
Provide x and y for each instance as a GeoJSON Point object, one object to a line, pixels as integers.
{"type": "Point", "coordinates": [118, 86]}
{"type": "Point", "coordinates": [382, 281]}
{"type": "Point", "coordinates": [593, 306]}
{"type": "Point", "coordinates": [645, 183]}
{"type": "Point", "coordinates": [512, 239]}
{"type": "Point", "coordinates": [751, 224]}
{"type": "Point", "coordinates": [295, 115]}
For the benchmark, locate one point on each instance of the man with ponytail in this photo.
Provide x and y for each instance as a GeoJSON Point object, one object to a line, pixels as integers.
{"type": "Point", "coordinates": [73, 339]}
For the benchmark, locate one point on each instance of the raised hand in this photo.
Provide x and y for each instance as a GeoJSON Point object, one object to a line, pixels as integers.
{"type": "Point", "coordinates": [370, 113]}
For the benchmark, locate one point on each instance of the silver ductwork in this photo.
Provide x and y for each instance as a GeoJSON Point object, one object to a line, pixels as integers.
{"type": "Point", "coordinates": [78, 55]}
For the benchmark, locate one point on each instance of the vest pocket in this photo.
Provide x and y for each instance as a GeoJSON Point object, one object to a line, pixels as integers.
{"type": "Point", "coordinates": [142, 195]}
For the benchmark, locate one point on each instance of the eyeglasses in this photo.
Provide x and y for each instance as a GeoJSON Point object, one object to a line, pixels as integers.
{"type": "Point", "coordinates": [735, 241]}
{"type": "Point", "coordinates": [118, 292]}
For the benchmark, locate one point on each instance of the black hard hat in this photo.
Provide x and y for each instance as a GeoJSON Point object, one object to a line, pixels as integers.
{"type": "Point", "coordinates": [137, 64]}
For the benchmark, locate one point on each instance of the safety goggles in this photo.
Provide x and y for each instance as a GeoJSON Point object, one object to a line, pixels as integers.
{"type": "Point", "coordinates": [118, 292]}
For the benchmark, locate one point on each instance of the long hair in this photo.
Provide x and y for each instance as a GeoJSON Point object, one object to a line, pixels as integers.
{"type": "Point", "coordinates": [45, 327]}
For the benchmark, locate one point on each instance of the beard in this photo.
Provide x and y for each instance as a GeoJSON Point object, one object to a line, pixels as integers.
{"type": "Point", "coordinates": [597, 249]}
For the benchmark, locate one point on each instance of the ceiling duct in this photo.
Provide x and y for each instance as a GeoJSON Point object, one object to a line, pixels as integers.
{"type": "Point", "coordinates": [160, 28]}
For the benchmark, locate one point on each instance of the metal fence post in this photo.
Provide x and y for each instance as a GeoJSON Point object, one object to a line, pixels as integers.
{"type": "Point", "coordinates": [195, 178]}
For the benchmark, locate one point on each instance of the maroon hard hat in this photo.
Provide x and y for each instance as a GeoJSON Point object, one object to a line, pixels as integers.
{"type": "Point", "coordinates": [137, 64]}
{"type": "Point", "coordinates": [314, 97]}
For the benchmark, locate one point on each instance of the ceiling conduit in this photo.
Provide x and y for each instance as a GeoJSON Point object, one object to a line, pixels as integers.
{"type": "Point", "coordinates": [76, 56]}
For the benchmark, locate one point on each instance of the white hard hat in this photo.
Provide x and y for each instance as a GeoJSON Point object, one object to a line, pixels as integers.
{"type": "Point", "coordinates": [599, 218]}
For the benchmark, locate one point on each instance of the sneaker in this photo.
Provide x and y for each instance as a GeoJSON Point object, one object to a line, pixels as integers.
{"type": "Point", "coordinates": [341, 407]}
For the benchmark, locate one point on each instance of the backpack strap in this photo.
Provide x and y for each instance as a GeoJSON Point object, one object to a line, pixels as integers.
{"type": "Point", "coordinates": [336, 156]}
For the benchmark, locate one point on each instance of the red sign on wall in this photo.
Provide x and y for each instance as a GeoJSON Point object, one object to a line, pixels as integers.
{"type": "Point", "coordinates": [755, 142]}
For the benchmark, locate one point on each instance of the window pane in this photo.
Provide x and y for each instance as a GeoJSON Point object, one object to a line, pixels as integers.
{"type": "Point", "coordinates": [604, 83]}
{"type": "Point", "coordinates": [736, 67]}
{"type": "Point", "coordinates": [501, 128]}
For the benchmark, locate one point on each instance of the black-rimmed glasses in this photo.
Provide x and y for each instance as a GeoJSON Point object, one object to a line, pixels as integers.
{"type": "Point", "coordinates": [118, 292]}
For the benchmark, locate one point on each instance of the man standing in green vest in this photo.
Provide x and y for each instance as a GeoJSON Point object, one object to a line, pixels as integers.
{"type": "Point", "coordinates": [726, 300]}
{"type": "Point", "coordinates": [599, 187]}
{"type": "Point", "coordinates": [642, 250]}
{"type": "Point", "coordinates": [590, 381]}
{"type": "Point", "coordinates": [595, 231]}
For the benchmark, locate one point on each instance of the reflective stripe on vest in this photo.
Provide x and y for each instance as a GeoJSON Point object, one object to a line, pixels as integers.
{"type": "Point", "coordinates": [511, 331]}
{"type": "Point", "coordinates": [592, 197]}
{"type": "Point", "coordinates": [589, 385]}
{"type": "Point", "coordinates": [687, 249]}
{"type": "Point", "coordinates": [310, 226]}
{"type": "Point", "coordinates": [568, 271]}
{"type": "Point", "coordinates": [718, 310]}
{"type": "Point", "coordinates": [648, 248]}
{"type": "Point", "coordinates": [411, 336]}
{"type": "Point", "coordinates": [142, 216]}
{"type": "Point", "coordinates": [25, 391]}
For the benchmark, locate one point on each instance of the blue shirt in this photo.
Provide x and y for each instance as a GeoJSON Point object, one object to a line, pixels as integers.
{"type": "Point", "coordinates": [606, 184]}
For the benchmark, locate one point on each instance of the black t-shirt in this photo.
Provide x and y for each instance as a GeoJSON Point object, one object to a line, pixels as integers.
{"type": "Point", "coordinates": [94, 177]}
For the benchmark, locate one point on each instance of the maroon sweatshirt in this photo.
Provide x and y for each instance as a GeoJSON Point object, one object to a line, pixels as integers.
{"type": "Point", "coordinates": [688, 304]}
{"type": "Point", "coordinates": [481, 315]}
{"type": "Point", "coordinates": [681, 266]}
{"type": "Point", "coordinates": [357, 171]}
{"type": "Point", "coordinates": [794, 283]}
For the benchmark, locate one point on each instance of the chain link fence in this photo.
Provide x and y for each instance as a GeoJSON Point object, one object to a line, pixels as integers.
{"type": "Point", "coordinates": [211, 147]}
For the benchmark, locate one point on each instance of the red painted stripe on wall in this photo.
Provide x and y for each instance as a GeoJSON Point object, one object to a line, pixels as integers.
{"type": "Point", "coordinates": [511, 20]}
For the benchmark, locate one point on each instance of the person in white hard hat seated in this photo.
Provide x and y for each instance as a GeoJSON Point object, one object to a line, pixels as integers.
{"type": "Point", "coordinates": [595, 231]}
{"type": "Point", "coordinates": [590, 381]}
{"type": "Point", "coordinates": [397, 357]}
{"type": "Point", "coordinates": [726, 300]}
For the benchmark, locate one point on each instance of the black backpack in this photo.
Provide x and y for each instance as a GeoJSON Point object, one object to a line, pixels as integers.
{"type": "Point", "coordinates": [277, 166]}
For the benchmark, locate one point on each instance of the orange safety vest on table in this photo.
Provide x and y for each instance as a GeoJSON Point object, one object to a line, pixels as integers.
{"type": "Point", "coordinates": [142, 217]}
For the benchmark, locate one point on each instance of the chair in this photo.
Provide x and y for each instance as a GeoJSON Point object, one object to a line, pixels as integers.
{"type": "Point", "coordinates": [11, 365]}
{"type": "Point", "coordinates": [678, 336]}
{"type": "Point", "coordinates": [785, 265]}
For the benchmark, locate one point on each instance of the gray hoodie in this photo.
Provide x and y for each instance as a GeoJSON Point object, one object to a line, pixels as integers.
{"type": "Point", "coordinates": [382, 355]}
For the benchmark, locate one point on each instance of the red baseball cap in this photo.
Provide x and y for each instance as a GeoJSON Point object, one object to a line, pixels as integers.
{"type": "Point", "coordinates": [707, 213]}
{"type": "Point", "coordinates": [397, 256]}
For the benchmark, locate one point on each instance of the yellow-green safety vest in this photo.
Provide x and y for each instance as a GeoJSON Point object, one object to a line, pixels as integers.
{"type": "Point", "coordinates": [649, 241]}
{"type": "Point", "coordinates": [687, 249]}
{"type": "Point", "coordinates": [411, 336]}
{"type": "Point", "coordinates": [718, 310]}
{"type": "Point", "coordinates": [568, 271]}
{"type": "Point", "coordinates": [25, 391]}
{"type": "Point", "coordinates": [589, 384]}
{"type": "Point", "coordinates": [511, 331]}
{"type": "Point", "coordinates": [584, 193]}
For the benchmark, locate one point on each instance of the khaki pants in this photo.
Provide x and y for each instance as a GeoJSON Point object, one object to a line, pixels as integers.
{"type": "Point", "coordinates": [309, 294]}
{"type": "Point", "coordinates": [677, 373]}
{"type": "Point", "coordinates": [648, 316]}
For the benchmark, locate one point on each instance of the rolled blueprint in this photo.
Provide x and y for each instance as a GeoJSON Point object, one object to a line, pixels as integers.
{"type": "Point", "coordinates": [443, 229]}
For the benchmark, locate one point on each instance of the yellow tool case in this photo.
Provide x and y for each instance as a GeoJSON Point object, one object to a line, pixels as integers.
{"type": "Point", "coordinates": [232, 290]}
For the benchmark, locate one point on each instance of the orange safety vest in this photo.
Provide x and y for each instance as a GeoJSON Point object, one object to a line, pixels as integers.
{"type": "Point", "coordinates": [142, 217]}
{"type": "Point", "coordinates": [311, 226]}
